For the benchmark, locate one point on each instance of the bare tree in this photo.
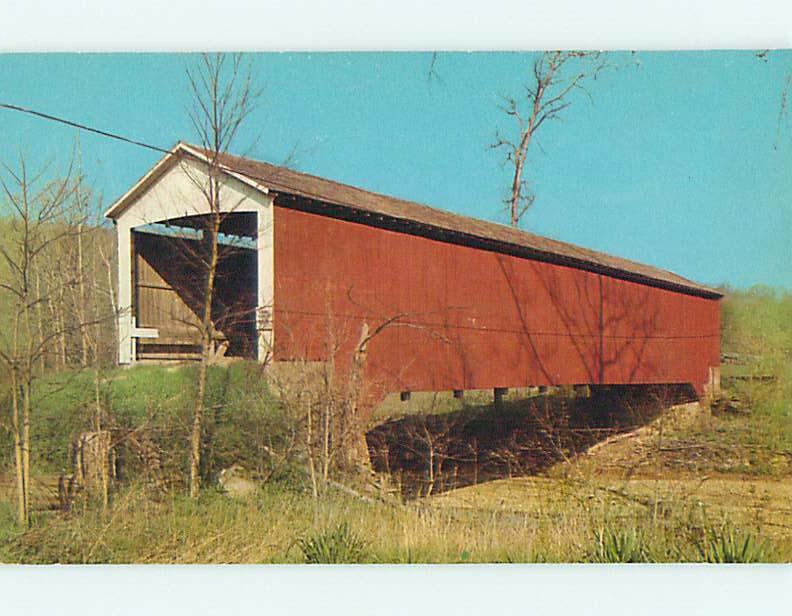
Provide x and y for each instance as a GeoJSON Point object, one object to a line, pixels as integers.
{"type": "Point", "coordinates": [432, 73]}
{"type": "Point", "coordinates": [323, 398]}
{"type": "Point", "coordinates": [41, 217]}
{"type": "Point", "coordinates": [223, 98]}
{"type": "Point", "coordinates": [783, 112]}
{"type": "Point", "coordinates": [80, 292]}
{"type": "Point", "coordinates": [556, 76]}
{"type": "Point", "coordinates": [328, 399]}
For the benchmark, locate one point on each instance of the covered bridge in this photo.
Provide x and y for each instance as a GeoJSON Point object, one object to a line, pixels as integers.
{"type": "Point", "coordinates": [450, 302]}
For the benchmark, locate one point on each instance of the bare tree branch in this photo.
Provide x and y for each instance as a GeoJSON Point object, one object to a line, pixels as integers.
{"type": "Point", "coordinates": [546, 96]}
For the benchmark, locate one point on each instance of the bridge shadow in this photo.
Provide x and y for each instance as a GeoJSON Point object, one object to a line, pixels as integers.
{"type": "Point", "coordinates": [427, 454]}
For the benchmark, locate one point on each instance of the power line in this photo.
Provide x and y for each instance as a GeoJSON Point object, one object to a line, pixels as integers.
{"type": "Point", "coordinates": [143, 144]}
{"type": "Point", "coordinates": [90, 129]}
{"type": "Point", "coordinates": [104, 133]}
{"type": "Point", "coordinates": [118, 137]}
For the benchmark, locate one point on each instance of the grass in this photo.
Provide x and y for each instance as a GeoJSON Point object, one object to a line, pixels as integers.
{"type": "Point", "coordinates": [543, 521]}
{"type": "Point", "coordinates": [692, 488]}
{"type": "Point", "coordinates": [606, 507]}
{"type": "Point", "coordinates": [758, 442]}
{"type": "Point", "coordinates": [757, 326]}
{"type": "Point", "coordinates": [618, 544]}
{"type": "Point", "coordinates": [8, 527]}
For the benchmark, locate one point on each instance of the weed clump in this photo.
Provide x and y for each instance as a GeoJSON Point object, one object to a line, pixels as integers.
{"type": "Point", "coordinates": [727, 545]}
{"type": "Point", "coordinates": [338, 545]}
{"type": "Point", "coordinates": [620, 545]}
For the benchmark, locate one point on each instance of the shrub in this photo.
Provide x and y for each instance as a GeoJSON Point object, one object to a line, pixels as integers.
{"type": "Point", "coordinates": [339, 545]}
{"type": "Point", "coordinates": [622, 545]}
{"type": "Point", "coordinates": [149, 409]}
{"type": "Point", "coordinates": [727, 545]}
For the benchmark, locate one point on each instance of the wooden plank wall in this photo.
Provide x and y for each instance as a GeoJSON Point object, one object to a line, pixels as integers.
{"type": "Point", "coordinates": [168, 290]}
{"type": "Point", "coordinates": [162, 303]}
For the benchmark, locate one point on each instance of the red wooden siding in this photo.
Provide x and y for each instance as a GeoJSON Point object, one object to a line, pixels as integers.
{"type": "Point", "coordinates": [474, 319]}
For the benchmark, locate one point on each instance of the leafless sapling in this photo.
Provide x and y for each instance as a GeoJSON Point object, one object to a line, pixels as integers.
{"type": "Point", "coordinates": [223, 97]}
{"type": "Point", "coordinates": [41, 216]}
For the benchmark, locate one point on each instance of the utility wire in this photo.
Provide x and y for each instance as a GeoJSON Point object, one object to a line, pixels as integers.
{"type": "Point", "coordinates": [142, 144]}
{"type": "Point", "coordinates": [104, 133]}
{"type": "Point", "coordinates": [90, 129]}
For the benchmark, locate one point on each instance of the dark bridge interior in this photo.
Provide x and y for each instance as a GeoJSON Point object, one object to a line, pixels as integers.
{"type": "Point", "coordinates": [169, 283]}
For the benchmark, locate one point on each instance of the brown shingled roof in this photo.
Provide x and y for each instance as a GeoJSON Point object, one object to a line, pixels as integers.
{"type": "Point", "coordinates": [499, 237]}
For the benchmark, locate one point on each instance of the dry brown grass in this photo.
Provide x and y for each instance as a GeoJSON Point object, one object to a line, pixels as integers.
{"type": "Point", "coordinates": [636, 483]}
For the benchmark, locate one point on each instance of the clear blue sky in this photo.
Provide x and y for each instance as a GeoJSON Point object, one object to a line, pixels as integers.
{"type": "Point", "coordinates": [677, 162]}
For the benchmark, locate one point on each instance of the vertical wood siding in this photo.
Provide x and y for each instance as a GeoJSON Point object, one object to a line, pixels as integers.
{"type": "Point", "coordinates": [168, 288]}
{"type": "Point", "coordinates": [474, 319]}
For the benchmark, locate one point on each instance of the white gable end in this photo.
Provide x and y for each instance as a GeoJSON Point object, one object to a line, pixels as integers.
{"type": "Point", "coordinates": [180, 191]}
{"type": "Point", "coordinates": [174, 190]}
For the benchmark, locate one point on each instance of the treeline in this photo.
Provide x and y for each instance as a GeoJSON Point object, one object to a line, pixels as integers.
{"type": "Point", "coordinates": [756, 326]}
{"type": "Point", "coordinates": [57, 298]}
{"type": "Point", "coordinates": [73, 297]}
{"type": "Point", "coordinates": [68, 286]}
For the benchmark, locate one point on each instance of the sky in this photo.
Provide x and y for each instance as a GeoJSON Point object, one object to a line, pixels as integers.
{"type": "Point", "coordinates": [677, 159]}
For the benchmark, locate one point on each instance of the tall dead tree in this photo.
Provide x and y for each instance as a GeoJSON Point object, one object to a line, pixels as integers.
{"type": "Point", "coordinates": [783, 110]}
{"type": "Point", "coordinates": [223, 97]}
{"type": "Point", "coordinates": [556, 76]}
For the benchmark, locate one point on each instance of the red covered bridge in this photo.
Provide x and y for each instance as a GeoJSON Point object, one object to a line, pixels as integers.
{"type": "Point", "coordinates": [456, 303]}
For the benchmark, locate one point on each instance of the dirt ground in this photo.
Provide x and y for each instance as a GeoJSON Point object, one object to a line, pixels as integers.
{"type": "Point", "coordinates": [749, 501]}
{"type": "Point", "coordinates": [654, 465]}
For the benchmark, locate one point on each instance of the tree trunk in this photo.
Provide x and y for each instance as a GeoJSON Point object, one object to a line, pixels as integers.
{"type": "Point", "coordinates": [104, 470]}
{"type": "Point", "coordinates": [108, 265]}
{"type": "Point", "coordinates": [195, 437]}
{"type": "Point", "coordinates": [310, 448]}
{"type": "Point", "coordinates": [22, 507]}
{"type": "Point", "coordinates": [83, 309]}
{"type": "Point", "coordinates": [92, 464]}
{"type": "Point", "coordinates": [326, 436]}
{"type": "Point", "coordinates": [54, 322]}
{"type": "Point", "coordinates": [353, 435]}
{"type": "Point", "coordinates": [40, 323]}
{"type": "Point", "coordinates": [514, 206]}
{"type": "Point", "coordinates": [519, 164]}
{"type": "Point", "coordinates": [60, 310]}
{"type": "Point", "coordinates": [26, 402]}
{"type": "Point", "coordinates": [27, 396]}
{"type": "Point", "coordinates": [206, 342]}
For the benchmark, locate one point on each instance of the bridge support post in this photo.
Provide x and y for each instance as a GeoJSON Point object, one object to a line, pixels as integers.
{"type": "Point", "coordinates": [712, 387]}
{"type": "Point", "coordinates": [581, 391]}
